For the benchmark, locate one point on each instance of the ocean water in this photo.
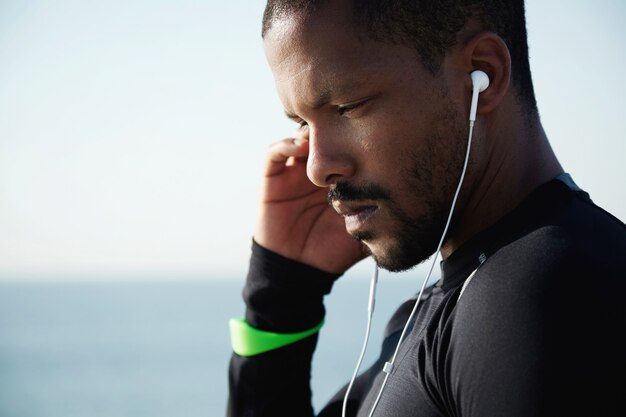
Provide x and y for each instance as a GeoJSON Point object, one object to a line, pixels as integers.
{"type": "Point", "coordinates": [156, 348]}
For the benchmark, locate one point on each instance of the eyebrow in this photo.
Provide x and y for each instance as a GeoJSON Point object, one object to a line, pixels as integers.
{"type": "Point", "coordinates": [325, 96]}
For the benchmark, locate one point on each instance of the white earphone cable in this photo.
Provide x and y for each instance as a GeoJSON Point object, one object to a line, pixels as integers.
{"type": "Point", "coordinates": [389, 365]}
{"type": "Point", "coordinates": [480, 82]}
{"type": "Point", "coordinates": [370, 314]}
{"type": "Point", "coordinates": [388, 368]}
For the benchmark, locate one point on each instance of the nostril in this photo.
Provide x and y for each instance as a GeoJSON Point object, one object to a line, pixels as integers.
{"type": "Point", "coordinates": [332, 179]}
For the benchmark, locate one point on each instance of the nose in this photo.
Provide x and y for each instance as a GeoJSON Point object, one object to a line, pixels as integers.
{"type": "Point", "coordinates": [330, 158]}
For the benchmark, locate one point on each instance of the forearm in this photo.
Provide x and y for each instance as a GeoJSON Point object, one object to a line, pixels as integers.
{"type": "Point", "coordinates": [281, 296]}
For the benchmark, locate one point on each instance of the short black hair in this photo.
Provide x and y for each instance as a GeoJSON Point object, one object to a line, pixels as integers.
{"type": "Point", "coordinates": [430, 26]}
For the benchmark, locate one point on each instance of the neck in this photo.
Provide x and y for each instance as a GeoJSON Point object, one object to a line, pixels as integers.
{"type": "Point", "coordinates": [518, 160]}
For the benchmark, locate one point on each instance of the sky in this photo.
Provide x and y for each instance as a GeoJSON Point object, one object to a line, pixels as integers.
{"type": "Point", "coordinates": [132, 133]}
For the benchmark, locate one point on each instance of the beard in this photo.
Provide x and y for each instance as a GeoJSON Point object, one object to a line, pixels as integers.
{"type": "Point", "coordinates": [428, 179]}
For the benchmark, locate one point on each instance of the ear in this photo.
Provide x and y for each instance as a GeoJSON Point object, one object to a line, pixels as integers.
{"type": "Point", "coordinates": [487, 52]}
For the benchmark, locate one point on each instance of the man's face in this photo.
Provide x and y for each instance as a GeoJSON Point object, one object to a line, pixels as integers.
{"type": "Point", "coordinates": [384, 135]}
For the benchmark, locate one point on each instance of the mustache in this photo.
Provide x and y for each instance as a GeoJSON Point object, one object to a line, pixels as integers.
{"type": "Point", "coordinates": [344, 191]}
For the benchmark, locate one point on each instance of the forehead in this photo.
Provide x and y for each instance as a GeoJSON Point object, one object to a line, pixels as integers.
{"type": "Point", "coordinates": [321, 51]}
{"type": "Point", "coordinates": [306, 43]}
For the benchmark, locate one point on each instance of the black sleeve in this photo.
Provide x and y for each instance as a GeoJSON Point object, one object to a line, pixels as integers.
{"type": "Point", "coordinates": [282, 296]}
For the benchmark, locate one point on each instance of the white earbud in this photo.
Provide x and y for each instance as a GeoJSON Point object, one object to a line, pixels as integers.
{"type": "Point", "coordinates": [480, 82]}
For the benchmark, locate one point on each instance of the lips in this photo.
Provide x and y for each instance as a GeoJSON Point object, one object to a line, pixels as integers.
{"type": "Point", "coordinates": [355, 215]}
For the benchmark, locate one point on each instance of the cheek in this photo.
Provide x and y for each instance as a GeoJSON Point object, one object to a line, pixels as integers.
{"type": "Point", "coordinates": [389, 135]}
{"type": "Point", "coordinates": [394, 140]}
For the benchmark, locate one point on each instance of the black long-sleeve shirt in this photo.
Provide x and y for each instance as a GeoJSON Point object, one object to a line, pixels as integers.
{"type": "Point", "coordinates": [538, 331]}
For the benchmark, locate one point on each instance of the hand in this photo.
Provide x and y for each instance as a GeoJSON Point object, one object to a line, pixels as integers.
{"type": "Point", "coordinates": [295, 219]}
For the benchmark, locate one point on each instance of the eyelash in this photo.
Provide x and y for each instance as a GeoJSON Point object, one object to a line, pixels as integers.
{"type": "Point", "coordinates": [349, 107]}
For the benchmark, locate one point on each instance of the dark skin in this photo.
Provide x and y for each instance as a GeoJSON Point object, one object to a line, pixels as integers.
{"type": "Point", "coordinates": [370, 113]}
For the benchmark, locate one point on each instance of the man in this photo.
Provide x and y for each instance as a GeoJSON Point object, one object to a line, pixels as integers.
{"type": "Point", "coordinates": [527, 319]}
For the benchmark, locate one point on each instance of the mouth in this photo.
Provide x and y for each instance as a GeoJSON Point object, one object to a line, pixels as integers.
{"type": "Point", "coordinates": [356, 216]}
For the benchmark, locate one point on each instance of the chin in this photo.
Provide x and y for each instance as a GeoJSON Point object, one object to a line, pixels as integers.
{"type": "Point", "coordinates": [397, 256]}
{"type": "Point", "coordinates": [393, 263]}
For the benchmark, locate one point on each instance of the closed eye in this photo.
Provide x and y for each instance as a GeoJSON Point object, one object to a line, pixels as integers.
{"type": "Point", "coordinates": [346, 108]}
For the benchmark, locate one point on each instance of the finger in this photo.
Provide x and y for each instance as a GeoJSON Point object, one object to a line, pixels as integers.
{"type": "Point", "coordinates": [280, 153]}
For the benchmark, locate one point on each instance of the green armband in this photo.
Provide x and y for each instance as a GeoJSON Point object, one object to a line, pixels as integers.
{"type": "Point", "coordinates": [248, 341]}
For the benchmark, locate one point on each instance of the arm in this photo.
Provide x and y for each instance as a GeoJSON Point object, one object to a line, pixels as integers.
{"type": "Point", "coordinates": [281, 296]}
{"type": "Point", "coordinates": [301, 248]}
